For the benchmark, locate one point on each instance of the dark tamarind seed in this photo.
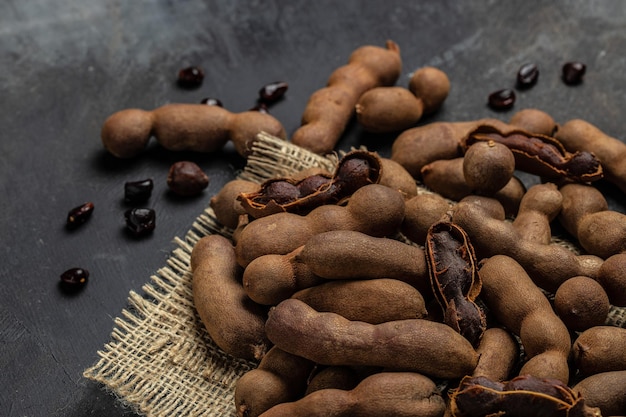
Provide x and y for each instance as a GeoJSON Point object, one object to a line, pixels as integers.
{"type": "Point", "coordinates": [186, 178]}
{"type": "Point", "coordinates": [190, 77]}
{"type": "Point", "coordinates": [502, 99]}
{"type": "Point", "coordinates": [74, 278]}
{"type": "Point", "coordinates": [210, 101]}
{"type": "Point", "coordinates": [79, 215]}
{"type": "Point", "coordinates": [573, 72]}
{"type": "Point", "coordinates": [527, 75]}
{"type": "Point", "coordinates": [138, 191]}
{"type": "Point", "coordinates": [272, 92]}
{"type": "Point", "coordinates": [140, 221]}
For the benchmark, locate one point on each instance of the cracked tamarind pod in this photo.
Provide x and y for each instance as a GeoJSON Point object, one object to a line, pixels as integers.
{"type": "Point", "coordinates": [454, 279]}
{"type": "Point", "coordinates": [541, 155]}
{"type": "Point", "coordinates": [522, 396]}
{"type": "Point", "coordinates": [354, 170]}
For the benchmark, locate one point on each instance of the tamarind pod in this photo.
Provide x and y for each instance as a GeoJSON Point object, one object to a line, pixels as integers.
{"type": "Point", "coordinates": [380, 395]}
{"type": "Point", "coordinates": [280, 377]}
{"type": "Point", "coordinates": [225, 205]}
{"type": "Point", "coordinates": [541, 155]}
{"type": "Point", "coordinates": [418, 345]}
{"type": "Point", "coordinates": [422, 211]}
{"type": "Point", "coordinates": [600, 349]}
{"type": "Point", "coordinates": [374, 209]}
{"type": "Point", "coordinates": [580, 135]}
{"type": "Point", "coordinates": [548, 265]}
{"type": "Point", "coordinates": [604, 391]}
{"type": "Point", "coordinates": [418, 146]}
{"type": "Point", "coordinates": [522, 396]}
{"type": "Point", "coordinates": [372, 301]}
{"type": "Point", "coordinates": [232, 320]}
{"type": "Point", "coordinates": [518, 304]}
{"type": "Point", "coordinates": [182, 126]}
{"type": "Point", "coordinates": [538, 208]}
{"type": "Point", "coordinates": [354, 170]}
{"type": "Point", "coordinates": [498, 353]}
{"type": "Point", "coordinates": [348, 254]}
{"type": "Point", "coordinates": [454, 279]}
{"type": "Point", "coordinates": [612, 277]}
{"type": "Point", "coordinates": [534, 121]}
{"type": "Point", "coordinates": [336, 377]}
{"type": "Point", "coordinates": [329, 109]}
{"type": "Point", "coordinates": [393, 175]}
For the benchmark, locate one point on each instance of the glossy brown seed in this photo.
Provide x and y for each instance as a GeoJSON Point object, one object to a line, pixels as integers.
{"type": "Point", "coordinates": [138, 191]}
{"type": "Point", "coordinates": [79, 215]}
{"type": "Point", "coordinates": [190, 77]}
{"type": "Point", "coordinates": [210, 101]}
{"type": "Point", "coordinates": [272, 92]}
{"type": "Point", "coordinates": [502, 99]}
{"type": "Point", "coordinates": [527, 75]}
{"type": "Point", "coordinates": [74, 278]}
{"type": "Point", "coordinates": [573, 73]}
{"type": "Point", "coordinates": [186, 178]}
{"type": "Point", "coordinates": [140, 221]}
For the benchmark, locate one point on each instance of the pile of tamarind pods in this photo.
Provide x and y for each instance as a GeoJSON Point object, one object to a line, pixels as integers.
{"type": "Point", "coordinates": [357, 295]}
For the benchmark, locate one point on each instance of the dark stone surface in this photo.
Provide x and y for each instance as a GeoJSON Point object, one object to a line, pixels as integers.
{"type": "Point", "coordinates": [67, 65]}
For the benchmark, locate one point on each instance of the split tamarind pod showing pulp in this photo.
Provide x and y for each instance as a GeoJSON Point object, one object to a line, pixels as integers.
{"type": "Point", "coordinates": [455, 279]}
{"type": "Point", "coordinates": [233, 321]}
{"type": "Point", "coordinates": [379, 395]}
{"type": "Point", "coordinates": [580, 135]}
{"type": "Point", "coordinates": [418, 345]}
{"type": "Point", "coordinates": [185, 127]}
{"type": "Point", "coordinates": [541, 155]}
{"type": "Point", "coordinates": [372, 301]}
{"type": "Point", "coordinates": [374, 209]}
{"type": "Point", "coordinates": [522, 396]}
{"type": "Point", "coordinates": [280, 377]}
{"type": "Point", "coordinates": [329, 110]}
{"type": "Point", "coordinates": [600, 349]}
{"type": "Point", "coordinates": [355, 170]}
{"type": "Point", "coordinates": [518, 304]}
{"type": "Point", "coordinates": [416, 147]}
{"type": "Point", "coordinates": [604, 391]}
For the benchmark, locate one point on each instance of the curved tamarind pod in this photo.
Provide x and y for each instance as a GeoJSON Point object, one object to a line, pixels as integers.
{"type": "Point", "coordinates": [234, 322]}
{"type": "Point", "coordinates": [499, 352]}
{"type": "Point", "coordinates": [280, 377]}
{"type": "Point", "coordinates": [354, 170]}
{"type": "Point", "coordinates": [329, 109]}
{"type": "Point", "coordinates": [541, 155]}
{"type": "Point", "coordinates": [379, 395]}
{"type": "Point", "coordinates": [517, 303]}
{"type": "Point", "coordinates": [455, 280]}
{"type": "Point", "coordinates": [417, 345]}
{"type": "Point", "coordinates": [521, 396]}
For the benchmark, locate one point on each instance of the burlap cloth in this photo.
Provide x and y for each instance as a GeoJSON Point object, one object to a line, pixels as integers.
{"type": "Point", "coordinates": [160, 360]}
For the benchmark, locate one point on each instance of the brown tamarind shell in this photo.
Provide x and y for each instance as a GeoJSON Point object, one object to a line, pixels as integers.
{"type": "Point", "coordinates": [541, 155]}
{"type": "Point", "coordinates": [522, 396]}
{"type": "Point", "coordinates": [354, 170]}
{"type": "Point", "coordinates": [454, 279]}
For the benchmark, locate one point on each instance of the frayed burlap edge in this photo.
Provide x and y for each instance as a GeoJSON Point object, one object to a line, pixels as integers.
{"type": "Point", "coordinates": [160, 361]}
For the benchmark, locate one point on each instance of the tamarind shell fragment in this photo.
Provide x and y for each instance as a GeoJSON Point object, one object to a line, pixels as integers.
{"type": "Point", "coordinates": [454, 279]}
{"type": "Point", "coordinates": [354, 170]}
{"type": "Point", "coordinates": [541, 155]}
{"type": "Point", "coordinates": [522, 396]}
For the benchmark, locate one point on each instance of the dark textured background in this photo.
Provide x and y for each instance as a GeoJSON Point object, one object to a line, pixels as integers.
{"type": "Point", "coordinates": [67, 65]}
